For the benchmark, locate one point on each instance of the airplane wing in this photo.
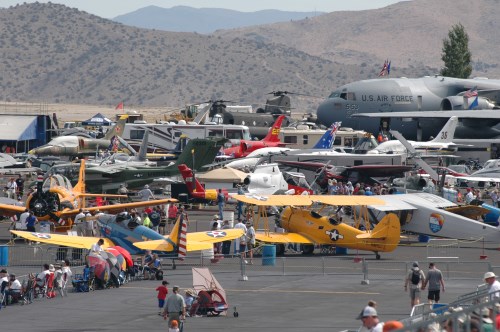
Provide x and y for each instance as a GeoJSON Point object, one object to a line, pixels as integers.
{"type": "Point", "coordinates": [83, 242]}
{"type": "Point", "coordinates": [102, 195]}
{"type": "Point", "coordinates": [466, 114]}
{"type": "Point", "coordinates": [10, 210]}
{"type": "Point", "coordinates": [478, 179]}
{"type": "Point", "coordinates": [307, 200]}
{"type": "Point", "coordinates": [380, 170]}
{"type": "Point", "coordinates": [282, 238]}
{"type": "Point", "coordinates": [119, 207]}
{"type": "Point", "coordinates": [194, 241]}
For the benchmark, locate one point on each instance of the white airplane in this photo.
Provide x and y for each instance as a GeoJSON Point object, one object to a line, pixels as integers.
{"type": "Point", "coordinates": [441, 144]}
{"type": "Point", "coordinates": [428, 214]}
{"type": "Point", "coordinates": [267, 179]}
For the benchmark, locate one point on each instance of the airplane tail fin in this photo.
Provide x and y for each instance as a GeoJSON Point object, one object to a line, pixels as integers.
{"type": "Point", "coordinates": [446, 134]}
{"type": "Point", "coordinates": [80, 185]}
{"type": "Point", "coordinates": [178, 236]}
{"type": "Point", "coordinates": [118, 128]}
{"type": "Point", "coordinates": [143, 150]}
{"type": "Point", "coordinates": [274, 131]}
{"type": "Point", "coordinates": [326, 141]}
{"type": "Point", "coordinates": [189, 178]}
{"type": "Point", "coordinates": [387, 232]}
{"type": "Point", "coordinates": [199, 152]}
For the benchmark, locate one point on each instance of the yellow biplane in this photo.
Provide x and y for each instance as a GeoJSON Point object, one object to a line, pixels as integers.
{"type": "Point", "coordinates": [303, 223]}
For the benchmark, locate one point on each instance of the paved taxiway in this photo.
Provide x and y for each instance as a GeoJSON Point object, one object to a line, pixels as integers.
{"type": "Point", "coordinates": [268, 301]}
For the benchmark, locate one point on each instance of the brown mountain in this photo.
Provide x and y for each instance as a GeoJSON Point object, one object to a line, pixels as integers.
{"type": "Point", "coordinates": [54, 53]}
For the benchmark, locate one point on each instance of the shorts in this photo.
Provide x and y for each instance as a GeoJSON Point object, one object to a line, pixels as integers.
{"type": "Point", "coordinates": [243, 247]}
{"type": "Point", "coordinates": [30, 228]}
{"type": "Point", "coordinates": [161, 303]}
{"type": "Point", "coordinates": [433, 295]}
{"type": "Point", "coordinates": [414, 293]}
{"type": "Point", "coordinates": [250, 246]}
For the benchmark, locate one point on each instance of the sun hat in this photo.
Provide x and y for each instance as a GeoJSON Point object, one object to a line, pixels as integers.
{"type": "Point", "coordinates": [368, 312]}
{"type": "Point", "coordinates": [488, 275]}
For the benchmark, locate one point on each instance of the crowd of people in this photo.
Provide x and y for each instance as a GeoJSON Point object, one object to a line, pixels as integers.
{"type": "Point", "coordinates": [52, 279]}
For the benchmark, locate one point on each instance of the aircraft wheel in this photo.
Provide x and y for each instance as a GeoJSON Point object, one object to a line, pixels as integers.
{"type": "Point", "coordinates": [280, 249]}
{"type": "Point", "coordinates": [307, 249]}
{"type": "Point", "coordinates": [377, 255]}
{"type": "Point", "coordinates": [236, 314]}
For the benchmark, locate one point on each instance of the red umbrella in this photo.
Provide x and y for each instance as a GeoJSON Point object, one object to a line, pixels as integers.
{"type": "Point", "coordinates": [126, 255]}
{"type": "Point", "coordinates": [101, 267]}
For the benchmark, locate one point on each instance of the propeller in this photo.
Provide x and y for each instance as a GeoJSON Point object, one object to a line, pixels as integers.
{"type": "Point", "coordinates": [280, 93]}
{"type": "Point", "coordinates": [415, 155]}
{"type": "Point", "coordinates": [44, 203]}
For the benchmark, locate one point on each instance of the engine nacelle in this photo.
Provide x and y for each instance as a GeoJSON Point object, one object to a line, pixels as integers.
{"type": "Point", "coordinates": [457, 103]}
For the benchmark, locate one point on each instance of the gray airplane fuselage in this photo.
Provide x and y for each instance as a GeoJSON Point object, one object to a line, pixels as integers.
{"type": "Point", "coordinates": [414, 95]}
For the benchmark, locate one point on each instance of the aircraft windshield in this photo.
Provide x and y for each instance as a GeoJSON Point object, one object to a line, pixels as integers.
{"type": "Point", "coordinates": [56, 181]}
{"type": "Point", "coordinates": [334, 94]}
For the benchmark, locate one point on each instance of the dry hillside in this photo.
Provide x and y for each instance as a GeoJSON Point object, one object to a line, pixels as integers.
{"type": "Point", "coordinates": [55, 54]}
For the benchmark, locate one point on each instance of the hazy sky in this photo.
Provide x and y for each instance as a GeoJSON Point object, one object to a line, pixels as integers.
{"type": "Point", "coordinates": [113, 8]}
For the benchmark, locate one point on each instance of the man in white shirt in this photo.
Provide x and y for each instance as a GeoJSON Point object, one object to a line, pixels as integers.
{"type": "Point", "coordinates": [145, 194]}
{"type": "Point", "coordinates": [22, 220]}
{"type": "Point", "coordinates": [241, 242]}
{"type": "Point", "coordinates": [11, 188]}
{"type": "Point", "coordinates": [97, 247]}
{"type": "Point", "coordinates": [78, 225]}
{"type": "Point", "coordinates": [14, 287]}
{"type": "Point", "coordinates": [493, 285]}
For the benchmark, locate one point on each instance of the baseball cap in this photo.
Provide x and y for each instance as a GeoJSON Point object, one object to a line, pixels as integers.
{"type": "Point", "coordinates": [488, 275]}
{"type": "Point", "coordinates": [368, 312]}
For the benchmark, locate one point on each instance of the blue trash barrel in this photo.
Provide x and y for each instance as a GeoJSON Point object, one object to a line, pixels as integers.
{"type": "Point", "coordinates": [269, 254]}
{"type": "Point", "coordinates": [423, 238]}
{"type": "Point", "coordinates": [340, 251]}
{"type": "Point", "coordinates": [4, 256]}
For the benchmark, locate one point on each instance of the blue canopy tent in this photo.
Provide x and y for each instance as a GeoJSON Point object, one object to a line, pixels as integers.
{"type": "Point", "coordinates": [97, 121]}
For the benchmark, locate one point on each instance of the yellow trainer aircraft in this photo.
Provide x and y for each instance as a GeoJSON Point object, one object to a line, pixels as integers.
{"type": "Point", "coordinates": [303, 224]}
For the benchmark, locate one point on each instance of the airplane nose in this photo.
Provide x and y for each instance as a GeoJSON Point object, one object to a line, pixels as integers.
{"type": "Point", "coordinates": [331, 110]}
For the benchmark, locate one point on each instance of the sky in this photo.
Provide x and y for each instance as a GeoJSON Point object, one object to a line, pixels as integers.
{"type": "Point", "coordinates": [113, 8]}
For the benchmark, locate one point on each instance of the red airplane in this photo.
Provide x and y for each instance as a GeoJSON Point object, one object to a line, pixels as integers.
{"type": "Point", "coordinates": [197, 191]}
{"type": "Point", "coordinates": [271, 140]}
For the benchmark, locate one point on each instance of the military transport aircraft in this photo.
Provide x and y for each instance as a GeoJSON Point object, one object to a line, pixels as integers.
{"type": "Point", "coordinates": [82, 146]}
{"type": "Point", "coordinates": [431, 100]}
{"type": "Point", "coordinates": [121, 230]}
{"type": "Point", "coordinates": [57, 200]}
{"type": "Point", "coordinates": [304, 224]}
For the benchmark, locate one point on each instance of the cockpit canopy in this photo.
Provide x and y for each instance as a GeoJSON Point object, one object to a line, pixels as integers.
{"type": "Point", "coordinates": [57, 180]}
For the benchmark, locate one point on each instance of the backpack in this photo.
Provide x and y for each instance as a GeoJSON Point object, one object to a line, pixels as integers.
{"type": "Point", "coordinates": [415, 277]}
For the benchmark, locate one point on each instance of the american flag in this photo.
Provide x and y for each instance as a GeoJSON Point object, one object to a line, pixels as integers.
{"type": "Point", "coordinates": [471, 93]}
{"type": "Point", "coordinates": [335, 126]}
{"type": "Point", "coordinates": [384, 69]}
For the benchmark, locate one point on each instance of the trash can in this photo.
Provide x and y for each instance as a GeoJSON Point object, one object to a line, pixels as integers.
{"type": "Point", "coordinates": [269, 254]}
{"type": "Point", "coordinates": [340, 251]}
{"type": "Point", "coordinates": [4, 256]}
{"type": "Point", "coordinates": [423, 238]}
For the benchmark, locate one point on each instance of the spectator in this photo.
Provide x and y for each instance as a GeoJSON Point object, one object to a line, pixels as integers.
{"type": "Point", "coordinates": [241, 242]}
{"type": "Point", "coordinates": [97, 247]}
{"type": "Point", "coordinates": [155, 217]}
{"type": "Point", "coordinates": [145, 194]}
{"type": "Point", "coordinates": [162, 295]}
{"type": "Point", "coordinates": [226, 245]}
{"type": "Point", "coordinates": [370, 320]}
{"type": "Point", "coordinates": [435, 280]}
{"type": "Point", "coordinates": [146, 221]}
{"type": "Point", "coordinates": [250, 241]}
{"type": "Point", "coordinates": [493, 285]}
{"type": "Point", "coordinates": [220, 203]}
{"type": "Point", "coordinates": [14, 288]}
{"type": "Point", "coordinates": [78, 223]}
{"type": "Point", "coordinates": [20, 186]}
{"type": "Point", "coordinates": [11, 188]}
{"type": "Point", "coordinates": [175, 307]}
{"type": "Point", "coordinates": [415, 279]}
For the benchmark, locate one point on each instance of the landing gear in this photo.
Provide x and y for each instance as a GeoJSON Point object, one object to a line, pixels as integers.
{"type": "Point", "coordinates": [307, 249]}
{"type": "Point", "coordinates": [280, 249]}
{"type": "Point", "coordinates": [377, 255]}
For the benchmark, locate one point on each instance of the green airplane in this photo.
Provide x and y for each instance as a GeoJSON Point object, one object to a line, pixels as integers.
{"type": "Point", "coordinates": [108, 178]}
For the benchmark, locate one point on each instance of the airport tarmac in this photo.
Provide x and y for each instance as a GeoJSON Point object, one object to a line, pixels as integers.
{"type": "Point", "coordinates": [267, 301]}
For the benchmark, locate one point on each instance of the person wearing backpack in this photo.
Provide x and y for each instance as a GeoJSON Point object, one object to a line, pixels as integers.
{"type": "Point", "coordinates": [414, 281]}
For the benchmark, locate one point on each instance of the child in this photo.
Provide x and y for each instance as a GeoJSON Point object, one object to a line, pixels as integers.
{"type": "Point", "coordinates": [174, 326]}
{"type": "Point", "coordinates": [162, 294]}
